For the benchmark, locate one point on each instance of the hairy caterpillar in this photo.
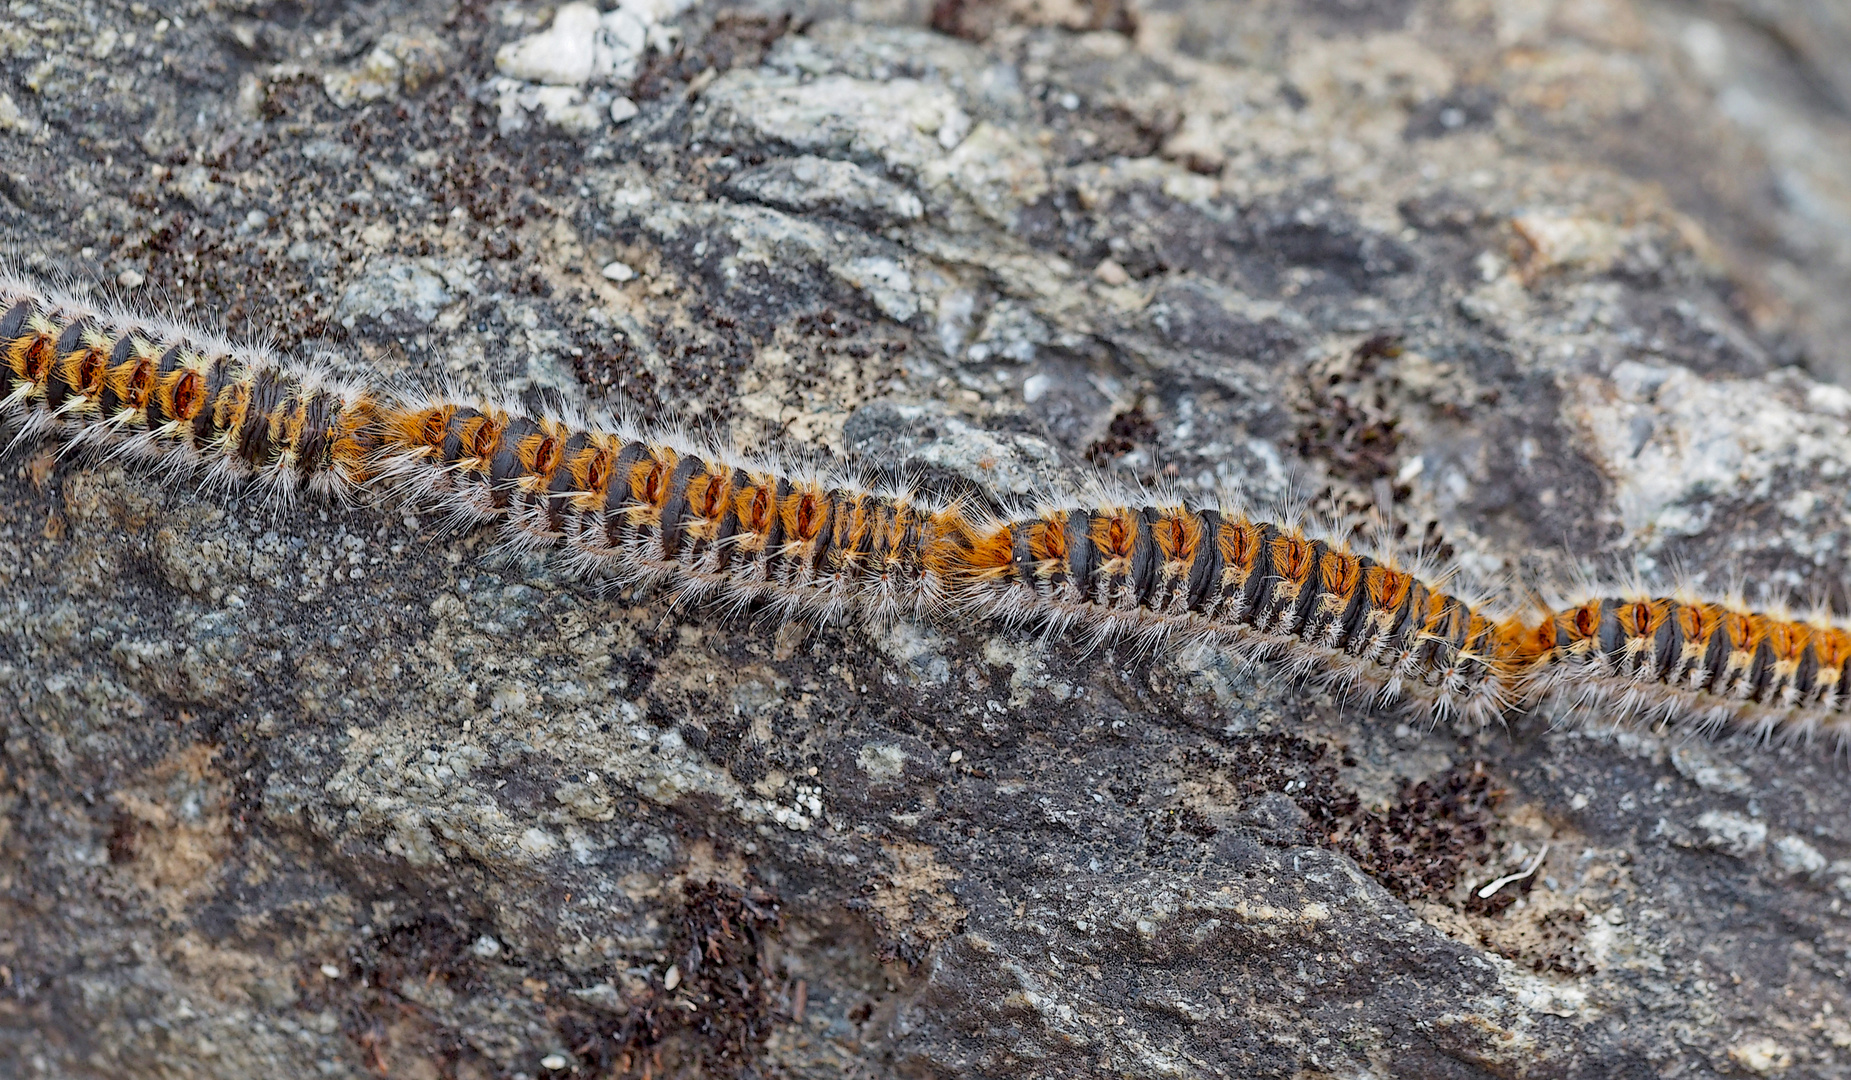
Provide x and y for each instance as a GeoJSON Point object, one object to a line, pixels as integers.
{"type": "Point", "coordinates": [1712, 666]}
{"type": "Point", "coordinates": [639, 506]}
{"type": "Point", "coordinates": [632, 503]}
{"type": "Point", "coordinates": [175, 397]}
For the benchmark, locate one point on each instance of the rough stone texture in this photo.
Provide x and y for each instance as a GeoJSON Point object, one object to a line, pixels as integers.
{"type": "Point", "coordinates": [327, 792]}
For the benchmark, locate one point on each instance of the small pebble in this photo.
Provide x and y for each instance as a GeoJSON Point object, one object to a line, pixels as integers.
{"type": "Point", "coordinates": [332, 971]}
{"type": "Point", "coordinates": [553, 1061]}
{"type": "Point", "coordinates": [673, 978]}
{"type": "Point", "coordinates": [130, 279]}
{"type": "Point", "coordinates": [1111, 273]}
{"type": "Point", "coordinates": [623, 110]}
{"type": "Point", "coordinates": [562, 55]}
{"type": "Point", "coordinates": [957, 756]}
{"type": "Point", "coordinates": [618, 271]}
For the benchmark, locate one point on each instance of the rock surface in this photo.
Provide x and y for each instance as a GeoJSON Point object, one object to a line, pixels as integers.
{"type": "Point", "coordinates": [329, 792]}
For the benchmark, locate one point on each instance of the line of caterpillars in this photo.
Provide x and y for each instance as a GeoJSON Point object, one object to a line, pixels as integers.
{"type": "Point", "coordinates": [641, 506]}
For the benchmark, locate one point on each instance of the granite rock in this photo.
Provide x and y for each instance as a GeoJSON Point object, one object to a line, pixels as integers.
{"type": "Point", "coordinates": [336, 791]}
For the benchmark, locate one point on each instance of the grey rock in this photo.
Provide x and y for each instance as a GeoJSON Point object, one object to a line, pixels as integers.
{"type": "Point", "coordinates": [330, 152]}
{"type": "Point", "coordinates": [403, 289]}
{"type": "Point", "coordinates": [1732, 834]}
{"type": "Point", "coordinates": [884, 281]}
{"type": "Point", "coordinates": [331, 790]}
{"type": "Point", "coordinates": [1003, 464]}
{"type": "Point", "coordinates": [896, 122]}
{"type": "Point", "coordinates": [1010, 331]}
{"type": "Point", "coordinates": [809, 184]}
{"type": "Point", "coordinates": [1208, 323]}
{"type": "Point", "coordinates": [1796, 856]}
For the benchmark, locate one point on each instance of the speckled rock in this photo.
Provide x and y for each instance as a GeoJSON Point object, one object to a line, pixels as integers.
{"type": "Point", "coordinates": [336, 791]}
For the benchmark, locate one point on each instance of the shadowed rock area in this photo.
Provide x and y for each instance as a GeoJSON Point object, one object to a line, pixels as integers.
{"type": "Point", "coordinates": [328, 791]}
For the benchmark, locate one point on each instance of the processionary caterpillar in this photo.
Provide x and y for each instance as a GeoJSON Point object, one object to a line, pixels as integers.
{"type": "Point", "coordinates": [176, 398]}
{"type": "Point", "coordinates": [635, 504]}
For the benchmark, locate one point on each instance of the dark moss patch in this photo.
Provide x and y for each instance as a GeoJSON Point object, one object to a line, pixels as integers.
{"type": "Point", "coordinates": [1128, 430]}
{"type": "Point", "coordinates": [737, 38]}
{"type": "Point", "coordinates": [1420, 847]}
{"type": "Point", "coordinates": [723, 1002]}
{"type": "Point", "coordinates": [1349, 422]}
{"type": "Point", "coordinates": [979, 20]}
{"type": "Point", "coordinates": [374, 999]}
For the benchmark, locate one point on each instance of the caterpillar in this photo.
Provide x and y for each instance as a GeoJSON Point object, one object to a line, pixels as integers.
{"type": "Point", "coordinates": [637, 504]}
{"type": "Point", "coordinates": [175, 397]}
{"type": "Point", "coordinates": [1711, 666]}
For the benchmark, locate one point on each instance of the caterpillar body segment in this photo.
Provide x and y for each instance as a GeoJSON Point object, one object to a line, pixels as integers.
{"type": "Point", "coordinates": [1261, 590]}
{"type": "Point", "coordinates": [647, 507]}
{"type": "Point", "coordinates": [179, 399]}
{"type": "Point", "coordinates": [1714, 666]}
